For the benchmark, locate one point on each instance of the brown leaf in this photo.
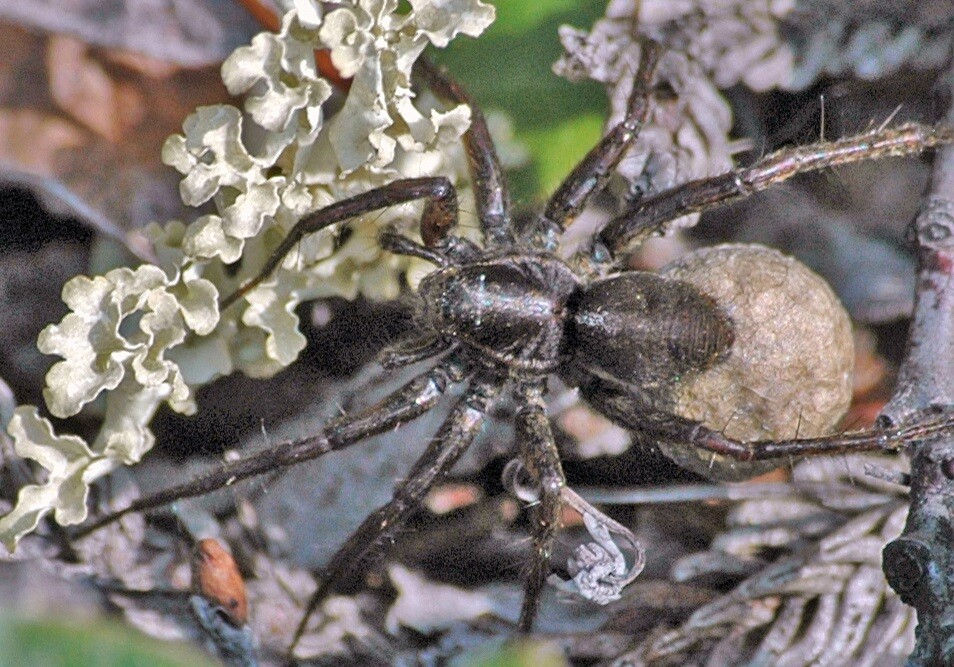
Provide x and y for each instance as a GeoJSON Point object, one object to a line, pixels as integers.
{"type": "Point", "coordinates": [83, 128]}
{"type": "Point", "coordinates": [32, 140]}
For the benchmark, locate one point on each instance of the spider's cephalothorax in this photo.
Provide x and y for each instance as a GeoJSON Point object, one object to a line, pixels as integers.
{"type": "Point", "coordinates": [509, 314]}
{"type": "Point", "coordinates": [510, 311]}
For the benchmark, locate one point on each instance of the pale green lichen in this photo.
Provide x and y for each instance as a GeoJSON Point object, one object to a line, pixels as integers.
{"type": "Point", "coordinates": [150, 335]}
{"type": "Point", "coordinates": [267, 170]}
{"type": "Point", "coordinates": [71, 465]}
{"type": "Point", "coordinates": [97, 349]}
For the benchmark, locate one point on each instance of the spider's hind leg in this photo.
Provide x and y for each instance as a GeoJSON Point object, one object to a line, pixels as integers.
{"type": "Point", "coordinates": [631, 410]}
{"type": "Point", "coordinates": [379, 529]}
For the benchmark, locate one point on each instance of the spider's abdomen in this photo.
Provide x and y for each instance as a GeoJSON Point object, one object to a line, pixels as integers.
{"type": "Point", "coordinates": [511, 309]}
{"type": "Point", "coordinates": [646, 330]}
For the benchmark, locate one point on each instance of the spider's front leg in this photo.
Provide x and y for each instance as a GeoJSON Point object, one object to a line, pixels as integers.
{"type": "Point", "coordinates": [379, 529]}
{"type": "Point", "coordinates": [600, 569]}
{"type": "Point", "coordinates": [649, 216]}
{"type": "Point", "coordinates": [594, 170]}
{"type": "Point", "coordinates": [440, 214]}
{"type": "Point", "coordinates": [403, 405]}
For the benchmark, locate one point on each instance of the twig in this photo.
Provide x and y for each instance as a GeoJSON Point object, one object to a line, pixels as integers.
{"type": "Point", "coordinates": [919, 564]}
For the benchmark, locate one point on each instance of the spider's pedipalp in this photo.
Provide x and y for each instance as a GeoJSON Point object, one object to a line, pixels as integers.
{"type": "Point", "coordinates": [440, 215]}
{"type": "Point", "coordinates": [491, 193]}
{"type": "Point", "coordinates": [402, 245]}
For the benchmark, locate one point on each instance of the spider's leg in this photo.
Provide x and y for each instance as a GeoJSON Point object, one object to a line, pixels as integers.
{"type": "Point", "coordinates": [698, 435]}
{"type": "Point", "coordinates": [632, 411]}
{"type": "Point", "coordinates": [412, 350]}
{"type": "Point", "coordinates": [490, 187]}
{"type": "Point", "coordinates": [542, 460]}
{"type": "Point", "coordinates": [650, 215]}
{"type": "Point", "coordinates": [403, 405]}
{"type": "Point", "coordinates": [594, 170]}
{"type": "Point", "coordinates": [448, 445]}
{"type": "Point", "coordinates": [440, 214]}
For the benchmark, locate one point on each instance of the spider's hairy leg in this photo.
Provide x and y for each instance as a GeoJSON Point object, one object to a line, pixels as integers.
{"type": "Point", "coordinates": [440, 214]}
{"type": "Point", "coordinates": [649, 216]}
{"type": "Point", "coordinates": [491, 194]}
{"type": "Point", "coordinates": [594, 170]}
{"type": "Point", "coordinates": [630, 410]}
{"type": "Point", "coordinates": [413, 350]}
{"type": "Point", "coordinates": [401, 406]}
{"type": "Point", "coordinates": [375, 532]}
{"type": "Point", "coordinates": [845, 443]}
{"type": "Point", "coordinates": [541, 458]}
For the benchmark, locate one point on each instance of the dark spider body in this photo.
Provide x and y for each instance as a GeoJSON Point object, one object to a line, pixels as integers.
{"type": "Point", "coordinates": [509, 314]}
{"type": "Point", "coordinates": [528, 314]}
{"type": "Point", "coordinates": [645, 332]}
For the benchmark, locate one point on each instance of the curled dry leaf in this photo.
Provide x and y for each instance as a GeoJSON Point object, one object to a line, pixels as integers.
{"type": "Point", "coordinates": [82, 88]}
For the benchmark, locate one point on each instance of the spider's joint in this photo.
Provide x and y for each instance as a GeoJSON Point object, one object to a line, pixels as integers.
{"type": "Point", "coordinates": [743, 185]}
{"type": "Point", "coordinates": [599, 253]}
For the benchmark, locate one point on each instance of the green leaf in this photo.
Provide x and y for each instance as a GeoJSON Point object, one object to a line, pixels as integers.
{"type": "Point", "coordinates": [69, 643]}
{"type": "Point", "coordinates": [521, 653]}
{"type": "Point", "coordinates": [563, 144]}
{"type": "Point", "coordinates": [519, 16]}
{"type": "Point", "coordinates": [509, 68]}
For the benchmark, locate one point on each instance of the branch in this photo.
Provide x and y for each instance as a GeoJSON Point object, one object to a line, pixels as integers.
{"type": "Point", "coordinates": [919, 564]}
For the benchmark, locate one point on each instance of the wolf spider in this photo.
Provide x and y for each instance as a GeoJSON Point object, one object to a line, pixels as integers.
{"type": "Point", "coordinates": [508, 314]}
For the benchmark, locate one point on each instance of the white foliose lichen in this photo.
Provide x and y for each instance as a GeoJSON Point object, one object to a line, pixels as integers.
{"type": "Point", "coordinates": [150, 335]}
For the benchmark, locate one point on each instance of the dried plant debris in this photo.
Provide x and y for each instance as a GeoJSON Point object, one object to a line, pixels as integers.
{"type": "Point", "coordinates": [87, 112]}
{"type": "Point", "coordinates": [711, 46]}
{"type": "Point", "coordinates": [813, 591]}
{"type": "Point", "coordinates": [427, 607]}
